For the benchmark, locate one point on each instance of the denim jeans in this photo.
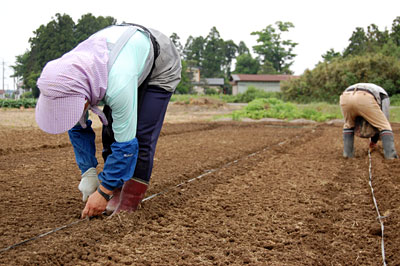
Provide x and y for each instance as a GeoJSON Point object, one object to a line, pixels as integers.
{"type": "Point", "coordinates": [151, 112]}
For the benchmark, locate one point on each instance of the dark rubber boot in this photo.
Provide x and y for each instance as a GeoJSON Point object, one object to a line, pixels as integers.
{"type": "Point", "coordinates": [389, 150]}
{"type": "Point", "coordinates": [348, 143]}
{"type": "Point", "coordinates": [114, 202]}
{"type": "Point", "coordinates": [132, 194]}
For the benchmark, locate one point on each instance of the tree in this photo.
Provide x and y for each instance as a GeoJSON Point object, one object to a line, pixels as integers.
{"type": "Point", "coordinates": [230, 50]}
{"type": "Point", "coordinates": [371, 56]}
{"type": "Point", "coordinates": [375, 41]}
{"type": "Point", "coordinates": [53, 40]}
{"type": "Point", "coordinates": [50, 42]}
{"type": "Point", "coordinates": [89, 24]}
{"type": "Point", "coordinates": [193, 51]}
{"type": "Point", "coordinates": [30, 82]}
{"type": "Point", "coordinates": [358, 43]}
{"type": "Point", "coordinates": [273, 49]}
{"type": "Point", "coordinates": [395, 34]}
{"type": "Point", "coordinates": [328, 79]}
{"type": "Point", "coordinates": [21, 64]}
{"type": "Point", "coordinates": [330, 55]}
{"type": "Point", "coordinates": [391, 49]}
{"type": "Point", "coordinates": [185, 85]}
{"type": "Point", "coordinates": [214, 55]}
{"type": "Point", "coordinates": [176, 41]}
{"type": "Point", "coordinates": [375, 37]}
{"type": "Point", "coordinates": [242, 48]}
{"type": "Point", "coordinates": [246, 64]}
{"type": "Point", "coordinates": [267, 68]}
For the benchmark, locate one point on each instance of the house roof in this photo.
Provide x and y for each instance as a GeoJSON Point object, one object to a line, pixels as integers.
{"type": "Point", "coordinates": [215, 81]}
{"type": "Point", "coordinates": [260, 78]}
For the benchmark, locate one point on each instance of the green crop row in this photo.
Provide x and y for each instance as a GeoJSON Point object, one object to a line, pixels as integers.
{"type": "Point", "coordinates": [12, 103]}
{"type": "Point", "coordinates": [275, 108]}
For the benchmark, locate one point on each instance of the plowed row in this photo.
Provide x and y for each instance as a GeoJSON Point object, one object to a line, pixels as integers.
{"type": "Point", "coordinates": [277, 194]}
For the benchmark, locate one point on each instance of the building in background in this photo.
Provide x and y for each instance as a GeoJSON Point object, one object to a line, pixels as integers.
{"type": "Point", "coordinates": [19, 90]}
{"type": "Point", "coordinates": [13, 94]}
{"type": "Point", "coordinates": [206, 84]}
{"type": "Point", "coordinates": [201, 85]}
{"type": "Point", "coordinates": [269, 83]}
{"type": "Point", "coordinates": [194, 74]}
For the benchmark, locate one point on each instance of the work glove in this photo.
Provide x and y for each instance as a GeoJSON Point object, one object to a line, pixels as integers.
{"type": "Point", "coordinates": [372, 146]}
{"type": "Point", "coordinates": [89, 183]}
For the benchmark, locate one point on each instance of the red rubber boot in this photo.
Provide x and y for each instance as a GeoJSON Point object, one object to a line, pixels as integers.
{"type": "Point", "coordinates": [132, 194]}
{"type": "Point", "coordinates": [114, 201]}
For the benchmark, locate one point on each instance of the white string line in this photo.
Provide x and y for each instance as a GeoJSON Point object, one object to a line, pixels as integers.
{"type": "Point", "coordinates": [215, 169]}
{"type": "Point", "coordinates": [377, 209]}
{"type": "Point", "coordinates": [145, 199]}
{"type": "Point", "coordinates": [152, 196]}
{"type": "Point", "coordinates": [42, 235]}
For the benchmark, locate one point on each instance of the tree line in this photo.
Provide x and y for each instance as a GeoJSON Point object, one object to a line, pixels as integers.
{"type": "Point", "coordinates": [53, 40]}
{"type": "Point", "coordinates": [372, 55]}
{"type": "Point", "coordinates": [212, 54]}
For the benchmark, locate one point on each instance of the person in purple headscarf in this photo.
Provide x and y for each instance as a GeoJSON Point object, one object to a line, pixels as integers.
{"type": "Point", "coordinates": [133, 71]}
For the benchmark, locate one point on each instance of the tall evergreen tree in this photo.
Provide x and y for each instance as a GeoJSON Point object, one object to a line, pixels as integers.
{"type": "Point", "coordinates": [214, 55]}
{"type": "Point", "coordinates": [230, 50]}
{"type": "Point", "coordinates": [194, 50]}
{"type": "Point", "coordinates": [242, 48]}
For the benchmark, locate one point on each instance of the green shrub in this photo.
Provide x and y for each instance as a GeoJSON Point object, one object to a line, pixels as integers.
{"type": "Point", "coordinates": [253, 93]}
{"type": "Point", "coordinates": [182, 97]}
{"type": "Point", "coordinates": [328, 80]}
{"type": "Point", "coordinates": [395, 114]}
{"type": "Point", "coordinates": [27, 94]}
{"type": "Point", "coordinates": [395, 100]}
{"type": "Point", "coordinates": [246, 97]}
{"type": "Point", "coordinates": [275, 108]}
{"type": "Point", "coordinates": [11, 103]}
{"type": "Point", "coordinates": [210, 91]}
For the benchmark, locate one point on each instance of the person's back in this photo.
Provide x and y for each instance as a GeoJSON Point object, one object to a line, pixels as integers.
{"type": "Point", "coordinates": [115, 65]}
{"type": "Point", "coordinates": [167, 71]}
{"type": "Point", "coordinates": [370, 103]}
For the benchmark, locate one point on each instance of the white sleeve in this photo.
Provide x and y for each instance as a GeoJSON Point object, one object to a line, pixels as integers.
{"type": "Point", "coordinates": [385, 106]}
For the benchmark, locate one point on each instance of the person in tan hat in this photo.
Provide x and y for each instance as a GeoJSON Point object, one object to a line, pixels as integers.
{"type": "Point", "coordinates": [365, 107]}
{"type": "Point", "coordinates": [133, 71]}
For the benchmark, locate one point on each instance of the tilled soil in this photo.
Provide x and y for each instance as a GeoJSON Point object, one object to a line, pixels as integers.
{"type": "Point", "coordinates": [226, 193]}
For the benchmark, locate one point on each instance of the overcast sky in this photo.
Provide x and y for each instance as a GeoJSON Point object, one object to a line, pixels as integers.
{"type": "Point", "coordinates": [319, 24]}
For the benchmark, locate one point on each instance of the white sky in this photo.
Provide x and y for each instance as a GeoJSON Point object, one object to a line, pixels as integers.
{"type": "Point", "coordinates": [319, 24]}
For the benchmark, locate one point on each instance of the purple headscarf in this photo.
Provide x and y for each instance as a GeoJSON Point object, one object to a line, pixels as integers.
{"type": "Point", "coordinates": [67, 82]}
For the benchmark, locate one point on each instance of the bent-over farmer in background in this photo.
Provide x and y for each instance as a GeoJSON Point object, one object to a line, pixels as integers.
{"type": "Point", "coordinates": [134, 71]}
{"type": "Point", "coordinates": [365, 107]}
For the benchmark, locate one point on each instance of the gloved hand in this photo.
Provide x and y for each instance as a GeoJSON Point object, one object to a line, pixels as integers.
{"type": "Point", "coordinates": [372, 145]}
{"type": "Point", "coordinates": [89, 183]}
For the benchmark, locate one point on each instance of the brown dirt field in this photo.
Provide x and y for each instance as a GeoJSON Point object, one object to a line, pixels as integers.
{"type": "Point", "coordinates": [227, 193]}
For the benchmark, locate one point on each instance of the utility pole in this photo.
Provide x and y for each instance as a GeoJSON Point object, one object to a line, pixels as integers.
{"type": "Point", "coordinates": [3, 75]}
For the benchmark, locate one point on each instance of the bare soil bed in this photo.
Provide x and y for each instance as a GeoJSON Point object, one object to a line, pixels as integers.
{"type": "Point", "coordinates": [226, 193]}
